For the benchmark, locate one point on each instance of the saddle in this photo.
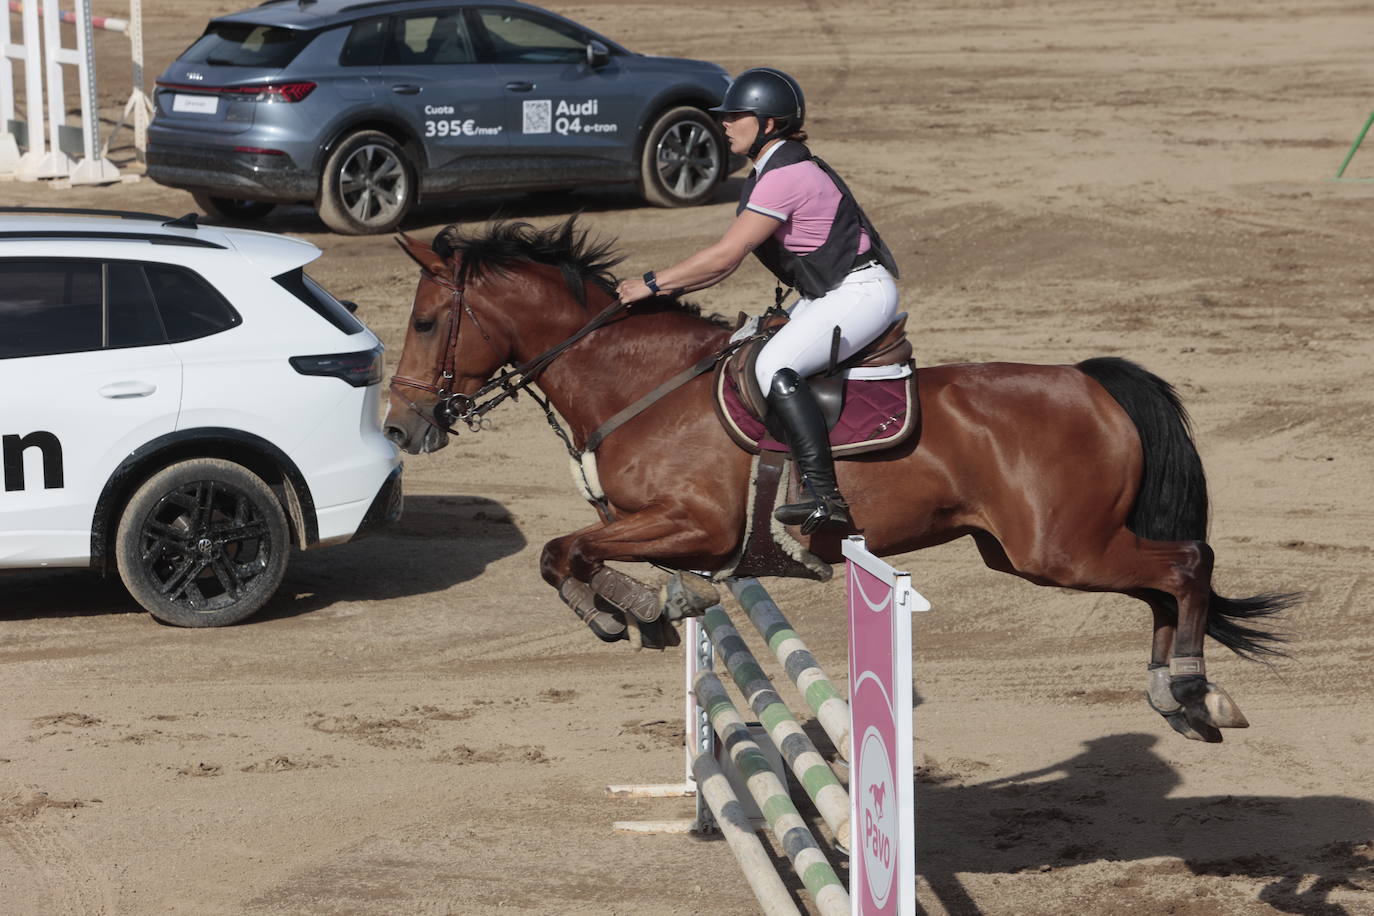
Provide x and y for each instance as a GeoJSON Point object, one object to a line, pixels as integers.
{"type": "Point", "coordinates": [862, 414]}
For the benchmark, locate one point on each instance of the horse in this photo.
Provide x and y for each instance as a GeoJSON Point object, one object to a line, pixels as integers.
{"type": "Point", "coordinates": [1078, 476]}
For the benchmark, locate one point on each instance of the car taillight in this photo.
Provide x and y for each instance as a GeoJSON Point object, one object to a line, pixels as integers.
{"type": "Point", "coordinates": [278, 92]}
{"type": "Point", "coordinates": [359, 369]}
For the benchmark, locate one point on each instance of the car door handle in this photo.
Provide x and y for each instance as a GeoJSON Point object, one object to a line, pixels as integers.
{"type": "Point", "coordinates": [119, 390]}
{"type": "Point", "coordinates": [406, 89]}
{"type": "Point", "coordinates": [519, 86]}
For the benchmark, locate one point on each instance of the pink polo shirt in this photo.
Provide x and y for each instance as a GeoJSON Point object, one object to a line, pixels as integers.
{"type": "Point", "coordinates": [804, 200]}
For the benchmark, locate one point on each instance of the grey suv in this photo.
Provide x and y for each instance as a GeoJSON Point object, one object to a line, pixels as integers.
{"type": "Point", "coordinates": [362, 107]}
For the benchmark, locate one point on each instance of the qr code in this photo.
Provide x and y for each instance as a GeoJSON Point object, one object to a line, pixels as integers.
{"type": "Point", "coordinates": [538, 116]}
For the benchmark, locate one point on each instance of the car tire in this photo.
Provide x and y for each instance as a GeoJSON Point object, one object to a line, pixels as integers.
{"type": "Point", "coordinates": [368, 185]}
{"type": "Point", "coordinates": [232, 210]}
{"type": "Point", "coordinates": [202, 543]}
{"type": "Point", "coordinates": [683, 160]}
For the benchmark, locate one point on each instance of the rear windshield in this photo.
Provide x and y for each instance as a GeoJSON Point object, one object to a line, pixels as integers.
{"type": "Point", "coordinates": [235, 44]}
{"type": "Point", "coordinates": [299, 284]}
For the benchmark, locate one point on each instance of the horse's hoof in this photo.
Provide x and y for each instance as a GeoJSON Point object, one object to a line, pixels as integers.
{"type": "Point", "coordinates": [687, 596]}
{"type": "Point", "coordinates": [1193, 730]}
{"type": "Point", "coordinates": [1222, 711]}
{"type": "Point", "coordinates": [607, 623]}
{"type": "Point", "coordinates": [657, 635]}
{"type": "Point", "coordinates": [606, 627]}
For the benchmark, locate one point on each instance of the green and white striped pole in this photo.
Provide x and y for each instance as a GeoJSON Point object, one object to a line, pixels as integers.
{"type": "Point", "coordinates": [811, 770]}
{"type": "Point", "coordinates": [796, 659]}
{"type": "Point", "coordinates": [770, 794]}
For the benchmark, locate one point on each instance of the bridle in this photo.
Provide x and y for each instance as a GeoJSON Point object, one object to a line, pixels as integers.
{"type": "Point", "coordinates": [470, 408]}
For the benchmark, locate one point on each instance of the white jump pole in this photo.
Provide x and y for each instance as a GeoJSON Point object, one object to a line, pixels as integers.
{"type": "Point", "coordinates": [138, 110]}
{"type": "Point", "coordinates": [9, 51]}
{"type": "Point", "coordinates": [58, 164]}
{"type": "Point", "coordinates": [34, 164]}
{"type": "Point", "coordinates": [93, 168]}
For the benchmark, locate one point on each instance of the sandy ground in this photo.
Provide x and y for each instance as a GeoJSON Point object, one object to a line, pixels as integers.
{"type": "Point", "coordinates": [417, 725]}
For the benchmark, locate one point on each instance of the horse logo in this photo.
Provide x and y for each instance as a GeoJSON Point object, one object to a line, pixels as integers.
{"type": "Point", "coordinates": [879, 792]}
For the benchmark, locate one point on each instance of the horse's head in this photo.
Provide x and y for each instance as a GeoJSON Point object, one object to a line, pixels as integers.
{"type": "Point", "coordinates": [447, 352]}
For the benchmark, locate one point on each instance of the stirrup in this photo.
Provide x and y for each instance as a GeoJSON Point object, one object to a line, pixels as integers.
{"type": "Point", "coordinates": [820, 510]}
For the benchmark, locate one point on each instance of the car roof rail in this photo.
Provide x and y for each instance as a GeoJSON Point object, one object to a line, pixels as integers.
{"type": "Point", "coordinates": [153, 238]}
{"type": "Point", "coordinates": [90, 211]}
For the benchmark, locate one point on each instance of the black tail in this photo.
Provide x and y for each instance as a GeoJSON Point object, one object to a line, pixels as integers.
{"type": "Point", "coordinates": [1172, 502]}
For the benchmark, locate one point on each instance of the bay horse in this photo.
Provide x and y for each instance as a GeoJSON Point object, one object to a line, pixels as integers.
{"type": "Point", "coordinates": [1082, 477]}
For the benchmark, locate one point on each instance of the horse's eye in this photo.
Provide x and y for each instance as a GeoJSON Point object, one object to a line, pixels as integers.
{"type": "Point", "coordinates": [424, 324]}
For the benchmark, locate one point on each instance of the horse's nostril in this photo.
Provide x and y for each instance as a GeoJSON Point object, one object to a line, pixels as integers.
{"type": "Point", "coordinates": [395, 434]}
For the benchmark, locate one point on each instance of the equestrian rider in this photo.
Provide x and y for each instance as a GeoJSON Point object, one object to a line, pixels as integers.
{"type": "Point", "coordinates": [801, 221]}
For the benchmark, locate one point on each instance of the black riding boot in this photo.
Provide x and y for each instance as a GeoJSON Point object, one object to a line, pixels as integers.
{"type": "Point", "coordinates": [790, 400]}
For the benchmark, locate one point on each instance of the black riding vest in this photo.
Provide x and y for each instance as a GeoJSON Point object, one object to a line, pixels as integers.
{"type": "Point", "coordinates": [817, 273]}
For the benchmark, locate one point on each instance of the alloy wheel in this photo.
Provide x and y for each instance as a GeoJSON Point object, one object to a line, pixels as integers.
{"type": "Point", "coordinates": [372, 183]}
{"type": "Point", "coordinates": [204, 545]}
{"type": "Point", "coordinates": [688, 159]}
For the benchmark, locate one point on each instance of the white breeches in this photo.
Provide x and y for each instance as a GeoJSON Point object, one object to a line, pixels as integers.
{"type": "Point", "coordinates": [862, 307]}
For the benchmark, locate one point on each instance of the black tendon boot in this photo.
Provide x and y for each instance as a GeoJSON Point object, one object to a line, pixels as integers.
{"type": "Point", "coordinates": [790, 400]}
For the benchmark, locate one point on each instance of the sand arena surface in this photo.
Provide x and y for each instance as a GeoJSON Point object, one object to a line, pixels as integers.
{"type": "Point", "coordinates": [417, 724]}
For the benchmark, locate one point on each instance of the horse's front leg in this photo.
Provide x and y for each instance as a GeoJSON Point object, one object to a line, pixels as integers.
{"type": "Point", "coordinates": [575, 564]}
{"type": "Point", "coordinates": [555, 565]}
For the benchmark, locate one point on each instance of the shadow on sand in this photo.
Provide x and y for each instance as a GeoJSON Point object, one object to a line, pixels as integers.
{"type": "Point", "coordinates": [1112, 802]}
{"type": "Point", "coordinates": [439, 542]}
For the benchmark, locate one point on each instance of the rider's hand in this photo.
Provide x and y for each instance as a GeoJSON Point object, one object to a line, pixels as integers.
{"type": "Point", "coordinates": [633, 291]}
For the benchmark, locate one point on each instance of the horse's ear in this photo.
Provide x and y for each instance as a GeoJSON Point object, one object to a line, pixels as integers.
{"type": "Point", "coordinates": [421, 254]}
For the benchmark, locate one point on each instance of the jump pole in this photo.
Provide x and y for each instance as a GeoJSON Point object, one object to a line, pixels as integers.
{"type": "Point", "coordinates": [796, 659]}
{"type": "Point", "coordinates": [770, 794]}
{"type": "Point", "coordinates": [813, 773]}
{"type": "Point", "coordinates": [37, 162]}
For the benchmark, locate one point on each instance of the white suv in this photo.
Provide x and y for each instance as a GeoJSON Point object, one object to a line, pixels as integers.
{"type": "Point", "coordinates": [182, 404]}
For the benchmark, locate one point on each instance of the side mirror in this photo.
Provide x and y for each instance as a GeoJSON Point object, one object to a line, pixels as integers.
{"type": "Point", "coordinates": [349, 304]}
{"type": "Point", "coordinates": [598, 55]}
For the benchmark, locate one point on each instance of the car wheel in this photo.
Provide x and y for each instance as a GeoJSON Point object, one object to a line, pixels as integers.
{"type": "Point", "coordinates": [683, 158]}
{"type": "Point", "coordinates": [203, 543]}
{"type": "Point", "coordinates": [233, 210]}
{"type": "Point", "coordinates": [367, 186]}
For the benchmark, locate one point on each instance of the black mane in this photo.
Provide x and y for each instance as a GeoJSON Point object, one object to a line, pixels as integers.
{"type": "Point", "coordinates": [503, 244]}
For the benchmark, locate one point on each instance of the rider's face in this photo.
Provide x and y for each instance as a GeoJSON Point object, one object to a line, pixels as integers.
{"type": "Point", "coordinates": [741, 127]}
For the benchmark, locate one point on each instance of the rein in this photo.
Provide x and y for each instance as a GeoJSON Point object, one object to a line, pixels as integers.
{"type": "Point", "coordinates": [453, 406]}
{"type": "Point", "coordinates": [469, 408]}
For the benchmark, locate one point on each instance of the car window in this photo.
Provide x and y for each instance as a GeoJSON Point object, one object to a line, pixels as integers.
{"type": "Point", "coordinates": [189, 306]}
{"type": "Point", "coordinates": [49, 306]}
{"type": "Point", "coordinates": [233, 44]}
{"type": "Point", "coordinates": [365, 43]}
{"type": "Point", "coordinates": [518, 37]}
{"type": "Point", "coordinates": [430, 38]}
{"type": "Point", "coordinates": [299, 284]}
{"type": "Point", "coordinates": [131, 318]}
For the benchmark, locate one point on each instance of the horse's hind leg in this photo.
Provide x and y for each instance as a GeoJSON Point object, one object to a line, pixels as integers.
{"type": "Point", "coordinates": [1179, 573]}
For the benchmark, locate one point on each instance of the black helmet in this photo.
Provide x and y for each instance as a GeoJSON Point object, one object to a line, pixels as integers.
{"type": "Point", "coordinates": [766, 93]}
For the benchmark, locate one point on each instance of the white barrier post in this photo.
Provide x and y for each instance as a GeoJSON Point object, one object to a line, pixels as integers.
{"type": "Point", "coordinates": [35, 163]}
{"type": "Point", "coordinates": [93, 168]}
{"type": "Point", "coordinates": [700, 739]}
{"type": "Point", "coordinates": [9, 51]}
{"type": "Point", "coordinates": [138, 110]}
{"type": "Point", "coordinates": [58, 163]}
{"type": "Point", "coordinates": [882, 777]}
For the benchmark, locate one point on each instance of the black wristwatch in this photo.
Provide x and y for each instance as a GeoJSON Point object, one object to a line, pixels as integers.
{"type": "Point", "coordinates": [651, 281]}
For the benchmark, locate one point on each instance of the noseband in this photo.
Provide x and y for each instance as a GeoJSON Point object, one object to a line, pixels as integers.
{"type": "Point", "coordinates": [452, 406]}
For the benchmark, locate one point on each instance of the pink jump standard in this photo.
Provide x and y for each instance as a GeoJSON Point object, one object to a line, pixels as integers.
{"type": "Point", "coordinates": [882, 774]}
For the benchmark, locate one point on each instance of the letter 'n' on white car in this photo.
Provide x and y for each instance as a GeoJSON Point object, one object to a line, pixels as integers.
{"type": "Point", "coordinates": [182, 404]}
